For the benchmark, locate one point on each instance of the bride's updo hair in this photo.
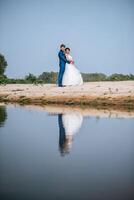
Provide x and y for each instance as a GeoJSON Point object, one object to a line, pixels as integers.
{"type": "Point", "coordinates": [67, 49]}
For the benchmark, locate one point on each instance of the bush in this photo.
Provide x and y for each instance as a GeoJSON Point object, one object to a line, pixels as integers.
{"type": "Point", "coordinates": [51, 77]}
{"type": "Point", "coordinates": [94, 77]}
{"type": "Point", "coordinates": [3, 65]}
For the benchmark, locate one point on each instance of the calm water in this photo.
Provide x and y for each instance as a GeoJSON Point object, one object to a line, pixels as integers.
{"type": "Point", "coordinates": [65, 156]}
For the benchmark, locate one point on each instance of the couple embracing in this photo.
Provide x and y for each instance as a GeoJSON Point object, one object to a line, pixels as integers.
{"type": "Point", "coordinates": [69, 75]}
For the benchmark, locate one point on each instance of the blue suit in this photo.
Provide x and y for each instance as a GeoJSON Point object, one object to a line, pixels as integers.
{"type": "Point", "coordinates": [62, 134]}
{"type": "Point", "coordinates": [62, 63]}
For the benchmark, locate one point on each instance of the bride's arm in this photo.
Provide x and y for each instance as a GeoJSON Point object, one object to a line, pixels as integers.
{"type": "Point", "coordinates": [69, 58]}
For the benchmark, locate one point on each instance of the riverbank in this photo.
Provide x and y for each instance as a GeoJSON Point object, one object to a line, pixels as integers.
{"type": "Point", "coordinates": [83, 111]}
{"type": "Point", "coordinates": [116, 94]}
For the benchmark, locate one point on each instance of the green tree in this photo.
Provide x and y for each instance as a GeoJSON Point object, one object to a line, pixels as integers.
{"type": "Point", "coordinates": [94, 77]}
{"type": "Point", "coordinates": [3, 65]}
{"type": "Point", "coordinates": [31, 78]}
{"type": "Point", "coordinates": [48, 77]}
{"type": "Point", "coordinates": [119, 77]}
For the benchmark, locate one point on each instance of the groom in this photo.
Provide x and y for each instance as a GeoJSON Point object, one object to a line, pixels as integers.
{"type": "Point", "coordinates": [62, 63]}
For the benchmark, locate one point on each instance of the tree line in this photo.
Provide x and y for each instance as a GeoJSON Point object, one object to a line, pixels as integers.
{"type": "Point", "coordinates": [51, 77]}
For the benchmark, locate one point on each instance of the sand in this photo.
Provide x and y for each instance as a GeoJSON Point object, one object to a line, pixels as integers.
{"type": "Point", "coordinates": [117, 93]}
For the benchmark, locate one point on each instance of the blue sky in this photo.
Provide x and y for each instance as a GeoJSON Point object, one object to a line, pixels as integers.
{"type": "Point", "coordinates": [100, 34]}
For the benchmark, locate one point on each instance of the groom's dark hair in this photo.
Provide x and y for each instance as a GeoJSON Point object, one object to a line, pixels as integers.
{"type": "Point", "coordinates": [62, 45]}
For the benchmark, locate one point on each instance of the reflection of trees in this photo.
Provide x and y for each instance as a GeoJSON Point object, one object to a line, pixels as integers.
{"type": "Point", "coordinates": [3, 115]}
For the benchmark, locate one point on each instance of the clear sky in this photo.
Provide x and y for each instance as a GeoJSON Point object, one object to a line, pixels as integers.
{"type": "Point", "coordinates": [100, 34]}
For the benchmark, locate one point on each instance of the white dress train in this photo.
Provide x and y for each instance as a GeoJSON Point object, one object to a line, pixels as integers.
{"type": "Point", "coordinates": [72, 123]}
{"type": "Point", "coordinates": [72, 75]}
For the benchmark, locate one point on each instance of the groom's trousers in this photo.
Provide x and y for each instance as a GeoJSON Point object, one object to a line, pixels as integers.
{"type": "Point", "coordinates": [60, 76]}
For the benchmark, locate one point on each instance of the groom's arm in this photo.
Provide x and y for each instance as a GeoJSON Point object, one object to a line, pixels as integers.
{"type": "Point", "coordinates": [62, 57]}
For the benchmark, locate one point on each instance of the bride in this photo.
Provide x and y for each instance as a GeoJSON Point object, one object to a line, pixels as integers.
{"type": "Point", "coordinates": [71, 76]}
{"type": "Point", "coordinates": [69, 125]}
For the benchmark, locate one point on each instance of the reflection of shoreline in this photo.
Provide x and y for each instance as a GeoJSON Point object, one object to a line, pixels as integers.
{"type": "Point", "coordinates": [84, 111]}
{"type": "Point", "coordinates": [69, 125]}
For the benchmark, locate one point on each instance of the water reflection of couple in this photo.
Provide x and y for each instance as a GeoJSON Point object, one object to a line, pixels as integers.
{"type": "Point", "coordinates": [69, 125]}
{"type": "Point", "coordinates": [3, 115]}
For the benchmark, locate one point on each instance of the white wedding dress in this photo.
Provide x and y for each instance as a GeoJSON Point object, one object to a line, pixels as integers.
{"type": "Point", "coordinates": [72, 75]}
{"type": "Point", "coordinates": [72, 123]}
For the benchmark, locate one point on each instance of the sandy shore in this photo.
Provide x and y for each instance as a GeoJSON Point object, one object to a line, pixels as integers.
{"type": "Point", "coordinates": [119, 94]}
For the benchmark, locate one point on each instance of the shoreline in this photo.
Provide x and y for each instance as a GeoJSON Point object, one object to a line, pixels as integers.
{"type": "Point", "coordinates": [117, 94]}
{"type": "Point", "coordinates": [84, 111]}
